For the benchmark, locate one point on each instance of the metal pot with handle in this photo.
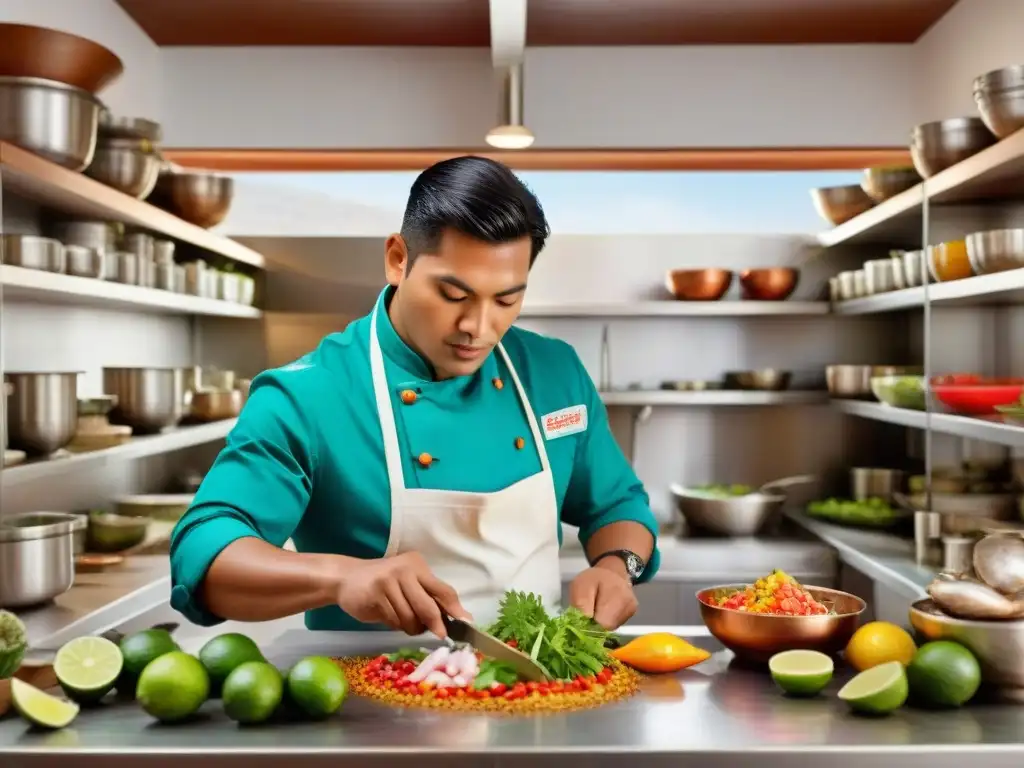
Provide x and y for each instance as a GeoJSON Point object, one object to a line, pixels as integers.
{"type": "Point", "coordinates": [37, 557]}
{"type": "Point", "coordinates": [742, 515]}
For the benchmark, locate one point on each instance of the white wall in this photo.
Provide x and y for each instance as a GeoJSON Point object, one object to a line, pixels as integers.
{"type": "Point", "coordinates": [138, 91]}
{"type": "Point", "coordinates": [574, 97]}
{"type": "Point", "coordinates": [975, 37]}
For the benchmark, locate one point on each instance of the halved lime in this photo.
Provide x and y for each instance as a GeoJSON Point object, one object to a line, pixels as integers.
{"type": "Point", "coordinates": [800, 672]}
{"type": "Point", "coordinates": [877, 691]}
{"type": "Point", "coordinates": [41, 709]}
{"type": "Point", "coordinates": [87, 668]}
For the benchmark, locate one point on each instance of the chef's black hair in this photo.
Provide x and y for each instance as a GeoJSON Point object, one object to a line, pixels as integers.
{"type": "Point", "coordinates": [478, 197]}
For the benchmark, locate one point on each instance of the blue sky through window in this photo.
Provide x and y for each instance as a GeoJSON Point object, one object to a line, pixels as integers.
{"type": "Point", "coordinates": [751, 202]}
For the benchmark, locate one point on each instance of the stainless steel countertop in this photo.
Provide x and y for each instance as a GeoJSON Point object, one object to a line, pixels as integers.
{"type": "Point", "coordinates": [720, 715]}
{"type": "Point", "coordinates": [883, 557]}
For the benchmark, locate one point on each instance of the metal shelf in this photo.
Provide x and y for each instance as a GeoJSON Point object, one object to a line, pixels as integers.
{"type": "Point", "coordinates": [716, 397]}
{"type": "Point", "coordinates": [999, 288]}
{"type": "Point", "coordinates": [75, 194]}
{"type": "Point", "coordinates": [51, 287]}
{"type": "Point", "coordinates": [672, 308]}
{"type": "Point", "coordinates": [987, 429]}
{"type": "Point", "coordinates": [147, 445]}
{"type": "Point", "coordinates": [992, 173]}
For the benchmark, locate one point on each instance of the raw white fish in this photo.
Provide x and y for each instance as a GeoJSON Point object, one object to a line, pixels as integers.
{"type": "Point", "coordinates": [437, 659]}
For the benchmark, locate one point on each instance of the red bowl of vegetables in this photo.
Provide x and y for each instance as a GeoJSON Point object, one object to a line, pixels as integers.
{"type": "Point", "coordinates": [757, 636]}
{"type": "Point", "coordinates": [972, 395]}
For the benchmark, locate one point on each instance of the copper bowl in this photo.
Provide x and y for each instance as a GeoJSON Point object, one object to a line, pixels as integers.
{"type": "Point", "coordinates": [199, 198]}
{"type": "Point", "coordinates": [698, 284]}
{"type": "Point", "coordinates": [776, 284]}
{"type": "Point", "coordinates": [756, 637]}
{"type": "Point", "coordinates": [28, 51]}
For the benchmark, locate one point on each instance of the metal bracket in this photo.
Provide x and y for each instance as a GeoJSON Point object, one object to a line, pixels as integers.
{"type": "Point", "coordinates": [640, 416]}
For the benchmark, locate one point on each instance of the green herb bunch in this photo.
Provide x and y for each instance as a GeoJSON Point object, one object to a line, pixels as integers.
{"type": "Point", "coordinates": [566, 645]}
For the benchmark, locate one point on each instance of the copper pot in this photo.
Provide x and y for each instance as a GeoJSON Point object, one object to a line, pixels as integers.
{"type": "Point", "coordinates": [775, 284]}
{"type": "Point", "coordinates": [29, 51]}
{"type": "Point", "coordinates": [698, 284]}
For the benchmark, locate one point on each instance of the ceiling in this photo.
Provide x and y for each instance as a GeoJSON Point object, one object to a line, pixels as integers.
{"type": "Point", "coordinates": [453, 23]}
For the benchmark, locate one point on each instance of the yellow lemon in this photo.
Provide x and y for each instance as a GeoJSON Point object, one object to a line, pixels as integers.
{"type": "Point", "coordinates": [878, 642]}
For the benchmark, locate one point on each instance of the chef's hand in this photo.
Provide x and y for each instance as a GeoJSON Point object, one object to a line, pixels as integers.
{"type": "Point", "coordinates": [400, 592]}
{"type": "Point", "coordinates": [605, 593]}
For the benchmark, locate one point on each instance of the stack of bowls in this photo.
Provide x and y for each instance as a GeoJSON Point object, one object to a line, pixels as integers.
{"type": "Point", "coordinates": [996, 250]}
{"type": "Point", "coordinates": [48, 85]}
{"type": "Point", "coordinates": [126, 157]}
{"type": "Point", "coordinates": [999, 95]}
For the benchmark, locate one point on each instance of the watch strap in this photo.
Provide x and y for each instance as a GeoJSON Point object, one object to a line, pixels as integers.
{"type": "Point", "coordinates": [635, 564]}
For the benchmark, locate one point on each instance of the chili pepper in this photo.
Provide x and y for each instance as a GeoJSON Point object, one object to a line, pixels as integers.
{"type": "Point", "coordinates": [659, 652]}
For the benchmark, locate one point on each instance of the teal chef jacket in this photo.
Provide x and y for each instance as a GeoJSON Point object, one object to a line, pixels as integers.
{"type": "Point", "coordinates": [306, 458]}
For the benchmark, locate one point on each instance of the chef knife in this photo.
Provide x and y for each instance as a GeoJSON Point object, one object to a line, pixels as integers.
{"type": "Point", "coordinates": [463, 632]}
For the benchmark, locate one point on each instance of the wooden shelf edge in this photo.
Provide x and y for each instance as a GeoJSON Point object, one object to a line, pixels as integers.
{"type": "Point", "coordinates": [47, 183]}
{"type": "Point", "coordinates": [138, 447]}
{"type": "Point", "coordinates": [19, 282]}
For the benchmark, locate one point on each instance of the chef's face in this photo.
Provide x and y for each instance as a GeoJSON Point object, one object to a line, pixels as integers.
{"type": "Point", "coordinates": [454, 305]}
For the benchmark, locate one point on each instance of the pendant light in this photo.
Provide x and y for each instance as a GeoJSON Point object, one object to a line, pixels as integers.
{"type": "Point", "coordinates": [511, 134]}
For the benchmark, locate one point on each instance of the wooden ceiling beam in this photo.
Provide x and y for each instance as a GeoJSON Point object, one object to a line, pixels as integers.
{"type": "Point", "coordinates": [779, 159]}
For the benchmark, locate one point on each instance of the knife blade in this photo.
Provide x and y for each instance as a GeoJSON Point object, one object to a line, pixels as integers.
{"type": "Point", "coordinates": [463, 632]}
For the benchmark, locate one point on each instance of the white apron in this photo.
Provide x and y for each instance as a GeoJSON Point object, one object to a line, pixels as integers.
{"type": "Point", "coordinates": [482, 544]}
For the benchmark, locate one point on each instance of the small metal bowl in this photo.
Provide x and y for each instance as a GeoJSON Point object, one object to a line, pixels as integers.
{"type": "Point", "coordinates": [881, 183]}
{"type": "Point", "coordinates": [756, 637]}
{"type": "Point", "coordinates": [939, 145]}
{"type": "Point", "coordinates": [698, 284]}
{"type": "Point", "coordinates": [127, 165]}
{"type": "Point", "coordinates": [775, 284]}
{"type": "Point", "coordinates": [837, 205]}
{"type": "Point", "coordinates": [764, 380]}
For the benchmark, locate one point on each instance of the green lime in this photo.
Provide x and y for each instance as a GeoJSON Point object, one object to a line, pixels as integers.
{"type": "Point", "coordinates": [943, 674]}
{"type": "Point", "coordinates": [138, 651]}
{"type": "Point", "coordinates": [253, 692]}
{"type": "Point", "coordinates": [317, 686]}
{"type": "Point", "coordinates": [224, 653]}
{"type": "Point", "coordinates": [801, 673]}
{"type": "Point", "coordinates": [173, 687]}
{"type": "Point", "coordinates": [41, 709]}
{"type": "Point", "coordinates": [877, 691]}
{"type": "Point", "coordinates": [87, 668]}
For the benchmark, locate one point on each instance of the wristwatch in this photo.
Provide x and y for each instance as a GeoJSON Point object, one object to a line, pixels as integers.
{"type": "Point", "coordinates": [635, 564]}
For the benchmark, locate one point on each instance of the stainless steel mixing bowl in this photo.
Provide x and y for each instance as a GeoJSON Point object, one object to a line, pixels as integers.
{"type": "Point", "coordinates": [936, 146]}
{"type": "Point", "coordinates": [730, 516]}
{"type": "Point", "coordinates": [51, 119]}
{"type": "Point", "coordinates": [42, 411]}
{"type": "Point", "coordinates": [148, 399]}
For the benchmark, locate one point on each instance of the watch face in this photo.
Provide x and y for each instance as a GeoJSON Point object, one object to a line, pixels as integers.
{"type": "Point", "coordinates": [634, 565]}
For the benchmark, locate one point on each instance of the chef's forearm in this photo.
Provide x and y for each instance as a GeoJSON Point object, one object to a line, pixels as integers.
{"type": "Point", "coordinates": [624, 534]}
{"type": "Point", "coordinates": [252, 580]}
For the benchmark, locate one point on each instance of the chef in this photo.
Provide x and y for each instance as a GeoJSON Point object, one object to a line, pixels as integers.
{"type": "Point", "coordinates": [423, 459]}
